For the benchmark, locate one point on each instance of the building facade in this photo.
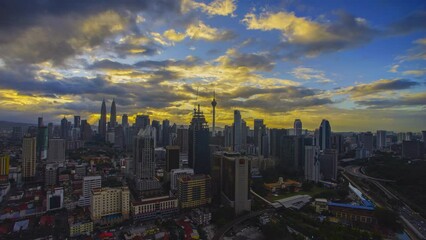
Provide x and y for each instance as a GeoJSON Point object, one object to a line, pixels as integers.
{"type": "Point", "coordinates": [194, 191]}
{"type": "Point", "coordinates": [154, 208]}
{"type": "Point", "coordinates": [109, 205]}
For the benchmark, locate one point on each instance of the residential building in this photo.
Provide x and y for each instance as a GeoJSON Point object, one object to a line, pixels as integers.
{"type": "Point", "coordinates": [175, 174]}
{"type": "Point", "coordinates": [29, 157]}
{"type": "Point", "coordinates": [89, 183]}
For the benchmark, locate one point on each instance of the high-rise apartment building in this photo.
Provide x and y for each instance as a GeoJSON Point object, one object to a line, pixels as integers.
{"type": "Point", "coordinates": [109, 205]}
{"type": "Point", "coordinates": [194, 191]}
{"type": "Point", "coordinates": [381, 139]}
{"type": "Point", "coordinates": [198, 144]}
{"type": "Point", "coordinates": [29, 157]}
{"type": "Point", "coordinates": [325, 135]}
{"type": "Point", "coordinates": [312, 164]}
{"type": "Point", "coordinates": [56, 150]}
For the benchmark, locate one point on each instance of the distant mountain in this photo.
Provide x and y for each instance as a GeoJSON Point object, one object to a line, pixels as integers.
{"type": "Point", "coordinates": [9, 125]}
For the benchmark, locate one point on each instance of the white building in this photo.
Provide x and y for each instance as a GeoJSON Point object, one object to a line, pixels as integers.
{"type": "Point", "coordinates": [312, 164]}
{"type": "Point", "coordinates": [89, 183]}
{"type": "Point", "coordinates": [55, 199]}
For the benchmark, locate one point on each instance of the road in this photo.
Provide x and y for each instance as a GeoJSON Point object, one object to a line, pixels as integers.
{"type": "Point", "coordinates": [415, 222]}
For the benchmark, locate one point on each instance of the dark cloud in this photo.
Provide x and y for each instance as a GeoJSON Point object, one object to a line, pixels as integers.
{"type": "Point", "coordinates": [413, 22]}
{"type": "Point", "coordinates": [108, 64]}
{"type": "Point", "coordinates": [262, 62]}
{"type": "Point", "coordinates": [380, 86]}
{"type": "Point", "coordinates": [410, 100]}
{"type": "Point", "coordinates": [38, 31]}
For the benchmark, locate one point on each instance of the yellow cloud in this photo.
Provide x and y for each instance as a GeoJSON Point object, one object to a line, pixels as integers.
{"type": "Point", "coordinates": [201, 31]}
{"type": "Point", "coordinates": [294, 29]}
{"type": "Point", "coordinates": [420, 72]}
{"type": "Point", "coordinates": [174, 36]}
{"type": "Point", "coordinates": [218, 7]}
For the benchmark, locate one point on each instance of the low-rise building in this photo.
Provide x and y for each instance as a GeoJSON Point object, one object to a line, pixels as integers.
{"type": "Point", "coordinates": [154, 208]}
{"type": "Point", "coordinates": [320, 205]}
{"type": "Point", "coordinates": [201, 216]}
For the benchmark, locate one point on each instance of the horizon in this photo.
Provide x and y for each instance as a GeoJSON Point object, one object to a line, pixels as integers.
{"type": "Point", "coordinates": [361, 66]}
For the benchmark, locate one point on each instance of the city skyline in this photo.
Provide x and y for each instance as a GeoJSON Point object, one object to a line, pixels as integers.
{"type": "Point", "coordinates": [362, 67]}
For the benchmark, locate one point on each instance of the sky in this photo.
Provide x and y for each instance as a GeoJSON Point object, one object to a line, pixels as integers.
{"type": "Point", "coordinates": [359, 64]}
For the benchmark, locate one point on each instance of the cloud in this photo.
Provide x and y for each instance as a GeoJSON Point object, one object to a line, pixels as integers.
{"type": "Point", "coordinates": [418, 73]}
{"type": "Point", "coordinates": [252, 61]}
{"type": "Point", "coordinates": [310, 37]}
{"type": "Point", "coordinates": [394, 68]}
{"type": "Point", "coordinates": [380, 86]}
{"type": "Point", "coordinates": [410, 100]}
{"type": "Point", "coordinates": [201, 31]}
{"type": "Point", "coordinates": [216, 7]}
{"type": "Point", "coordinates": [174, 36]}
{"type": "Point", "coordinates": [310, 74]}
{"type": "Point", "coordinates": [413, 22]}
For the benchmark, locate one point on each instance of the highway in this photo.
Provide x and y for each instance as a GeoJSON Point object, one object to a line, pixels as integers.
{"type": "Point", "coordinates": [415, 222]}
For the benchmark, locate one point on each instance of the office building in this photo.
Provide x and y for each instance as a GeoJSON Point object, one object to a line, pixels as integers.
{"type": "Point", "coordinates": [198, 144]}
{"type": "Point", "coordinates": [55, 199]}
{"type": "Point", "coordinates": [4, 167]}
{"type": "Point", "coordinates": [144, 160]}
{"type": "Point", "coordinates": [85, 130]}
{"type": "Point", "coordinates": [297, 127]}
{"type": "Point", "coordinates": [113, 117]}
{"type": "Point", "coordinates": [141, 122]}
{"type": "Point", "coordinates": [324, 135]}
{"type": "Point", "coordinates": [172, 158]}
{"type": "Point", "coordinates": [158, 133]}
{"type": "Point", "coordinates": [337, 143]}
{"type": "Point", "coordinates": [182, 139]}
{"type": "Point", "coordinates": [381, 139]}
{"type": "Point", "coordinates": [166, 133]}
{"type": "Point", "coordinates": [154, 208]}
{"type": "Point", "coordinates": [89, 183]}
{"type": "Point", "coordinates": [194, 191]}
{"type": "Point", "coordinates": [175, 174]}
{"type": "Point", "coordinates": [228, 135]}
{"type": "Point", "coordinates": [29, 157]}
{"type": "Point", "coordinates": [258, 128]}
{"type": "Point", "coordinates": [64, 128]}
{"type": "Point", "coordinates": [102, 131]}
{"type": "Point", "coordinates": [56, 150]}
{"type": "Point", "coordinates": [238, 128]}
{"type": "Point", "coordinates": [42, 143]}
{"type": "Point", "coordinates": [109, 205]}
{"type": "Point", "coordinates": [77, 121]}
{"type": "Point", "coordinates": [312, 164]}
{"type": "Point", "coordinates": [125, 120]}
{"type": "Point", "coordinates": [234, 181]}
{"type": "Point", "coordinates": [328, 164]}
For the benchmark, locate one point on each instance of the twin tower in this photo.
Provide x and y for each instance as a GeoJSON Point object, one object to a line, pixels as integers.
{"type": "Point", "coordinates": [103, 120]}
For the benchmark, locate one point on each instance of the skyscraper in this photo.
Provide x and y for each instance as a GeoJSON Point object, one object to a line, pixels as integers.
{"type": "Point", "coordinates": [234, 180]}
{"type": "Point", "coordinates": [125, 120]}
{"type": "Point", "coordinates": [198, 145]}
{"type": "Point", "coordinates": [56, 150]}
{"type": "Point", "coordinates": [89, 183]}
{"type": "Point", "coordinates": [4, 167]}
{"type": "Point", "coordinates": [144, 159]}
{"type": "Point", "coordinates": [325, 135]}
{"type": "Point", "coordinates": [40, 122]}
{"type": "Point", "coordinates": [182, 139]}
{"type": "Point", "coordinates": [258, 125]}
{"type": "Point", "coordinates": [298, 127]}
{"type": "Point", "coordinates": [102, 121]}
{"type": "Point", "coordinates": [113, 118]}
{"type": "Point", "coordinates": [237, 131]}
{"type": "Point", "coordinates": [214, 103]}
{"type": "Point", "coordinates": [64, 128]}
{"type": "Point", "coordinates": [166, 132]}
{"type": "Point", "coordinates": [328, 164]}
{"type": "Point", "coordinates": [141, 122]}
{"type": "Point", "coordinates": [76, 121]}
{"type": "Point", "coordinates": [312, 164]}
{"type": "Point", "coordinates": [381, 139]}
{"type": "Point", "coordinates": [42, 143]}
{"type": "Point", "coordinates": [29, 157]}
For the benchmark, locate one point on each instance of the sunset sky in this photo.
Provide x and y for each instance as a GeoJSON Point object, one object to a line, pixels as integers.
{"type": "Point", "coordinates": [359, 64]}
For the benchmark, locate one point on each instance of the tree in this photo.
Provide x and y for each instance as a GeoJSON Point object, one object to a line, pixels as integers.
{"type": "Point", "coordinates": [388, 219]}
